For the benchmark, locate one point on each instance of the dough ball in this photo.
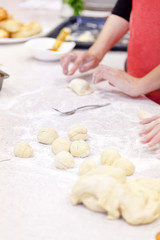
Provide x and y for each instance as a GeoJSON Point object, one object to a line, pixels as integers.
{"type": "Point", "coordinates": [125, 164]}
{"type": "Point", "coordinates": [28, 30]}
{"type": "Point", "coordinates": [64, 160]}
{"type": "Point", "coordinates": [86, 37]}
{"type": "Point", "coordinates": [80, 87]}
{"type": "Point", "coordinates": [109, 155]}
{"type": "Point", "coordinates": [3, 14]}
{"type": "Point", "coordinates": [86, 166]}
{"type": "Point", "coordinates": [140, 201]}
{"type": "Point", "coordinates": [60, 144]}
{"type": "Point", "coordinates": [10, 25]}
{"type": "Point", "coordinates": [77, 132]}
{"type": "Point", "coordinates": [143, 114]}
{"type": "Point", "coordinates": [4, 34]}
{"type": "Point", "coordinates": [79, 148]}
{"type": "Point", "coordinates": [47, 135]}
{"type": "Point", "coordinates": [23, 150]}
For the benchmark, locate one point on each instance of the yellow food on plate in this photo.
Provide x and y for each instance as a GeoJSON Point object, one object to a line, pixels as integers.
{"type": "Point", "coordinates": [28, 30]}
{"type": "Point", "coordinates": [10, 25]}
{"type": "Point", "coordinates": [4, 34]}
{"type": "Point", "coordinates": [3, 14]}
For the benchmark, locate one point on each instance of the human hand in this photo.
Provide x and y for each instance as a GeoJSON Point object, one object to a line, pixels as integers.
{"type": "Point", "coordinates": [117, 78]}
{"type": "Point", "coordinates": [82, 60]}
{"type": "Point", "coordinates": [151, 133]}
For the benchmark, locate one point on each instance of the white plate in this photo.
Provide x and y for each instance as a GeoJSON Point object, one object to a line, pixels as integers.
{"type": "Point", "coordinates": [44, 33]}
{"type": "Point", "coordinates": [39, 48]}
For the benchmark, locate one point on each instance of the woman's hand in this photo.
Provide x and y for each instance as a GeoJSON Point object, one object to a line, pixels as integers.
{"type": "Point", "coordinates": [118, 78]}
{"type": "Point", "coordinates": [82, 61]}
{"type": "Point", "coordinates": [151, 133]}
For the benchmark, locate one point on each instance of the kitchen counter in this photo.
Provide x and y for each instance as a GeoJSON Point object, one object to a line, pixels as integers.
{"type": "Point", "coordinates": [34, 202]}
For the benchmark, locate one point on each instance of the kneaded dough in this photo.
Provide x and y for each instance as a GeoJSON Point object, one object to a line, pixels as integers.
{"type": "Point", "coordinates": [125, 164]}
{"type": "Point", "coordinates": [91, 188]}
{"type": "Point", "coordinates": [117, 173]}
{"type": "Point", "coordinates": [47, 135]}
{"type": "Point", "coordinates": [136, 200]}
{"type": "Point", "coordinates": [140, 201]}
{"type": "Point", "coordinates": [77, 132]}
{"type": "Point", "coordinates": [109, 155]}
{"type": "Point", "coordinates": [80, 86]}
{"type": "Point", "coordinates": [142, 114]}
{"type": "Point", "coordinates": [64, 160]}
{"type": "Point", "coordinates": [23, 150]}
{"type": "Point", "coordinates": [79, 148]}
{"type": "Point", "coordinates": [60, 144]}
{"type": "Point", "coordinates": [86, 166]}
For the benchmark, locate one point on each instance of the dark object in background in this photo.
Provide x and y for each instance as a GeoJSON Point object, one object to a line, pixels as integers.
{"type": "Point", "coordinates": [3, 75]}
{"type": "Point", "coordinates": [79, 25]}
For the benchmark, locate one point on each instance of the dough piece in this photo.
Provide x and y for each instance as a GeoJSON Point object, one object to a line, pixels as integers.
{"type": "Point", "coordinates": [28, 30]}
{"type": "Point", "coordinates": [117, 173]}
{"type": "Point", "coordinates": [91, 188]}
{"type": "Point", "coordinates": [60, 144]}
{"type": "Point", "coordinates": [77, 132]}
{"type": "Point", "coordinates": [109, 155]}
{"type": "Point", "coordinates": [23, 150]}
{"type": "Point", "coordinates": [64, 160]}
{"type": "Point", "coordinates": [86, 37]}
{"type": "Point", "coordinates": [140, 202]}
{"type": "Point", "coordinates": [143, 114]}
{"type": "Point", "coordinates": [3, 14]}
{"type": "Point", "coordinates": [86, 166]}
{"type": "Point", "coordinates": [10, 25]}
{"type": "Point", "coordinates": [4, 34]}
{"type": "Point", "coordinates": [47, 135]}
{"type": "Point", "coordinates": [80, 87]}
{"type": "Point", "coordinates": [79, 148]}
{"type": "Point", "coordinates": [125, 164]}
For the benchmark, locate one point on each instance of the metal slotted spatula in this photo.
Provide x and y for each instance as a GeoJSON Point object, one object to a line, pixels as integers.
{"type": "Point", "coordinates": [78, 108]}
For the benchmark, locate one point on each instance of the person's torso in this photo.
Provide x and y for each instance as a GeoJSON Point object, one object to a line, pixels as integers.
{"type": "Point", "coordinates": [144, 44]}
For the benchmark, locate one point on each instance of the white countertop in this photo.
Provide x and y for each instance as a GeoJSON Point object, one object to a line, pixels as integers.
{"type": "Point", "coordinates": [34, 203]}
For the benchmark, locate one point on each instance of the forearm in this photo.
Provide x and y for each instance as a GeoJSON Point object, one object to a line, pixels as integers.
{"type": "Point", "coordinates": [113, 30]}
{"type": "Point", "coordinates": [151, 81]}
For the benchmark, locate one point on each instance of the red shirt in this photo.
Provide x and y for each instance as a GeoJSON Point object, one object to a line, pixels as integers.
{"type": "Point", "coordinates": [144, 44]}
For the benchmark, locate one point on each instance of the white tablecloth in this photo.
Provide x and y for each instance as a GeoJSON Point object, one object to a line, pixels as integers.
{"type": "Point", "coordinates": [34, 195]}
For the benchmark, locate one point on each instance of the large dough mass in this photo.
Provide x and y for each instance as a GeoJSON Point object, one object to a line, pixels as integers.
{"type": "Point", "coordinates": [105, 189]}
